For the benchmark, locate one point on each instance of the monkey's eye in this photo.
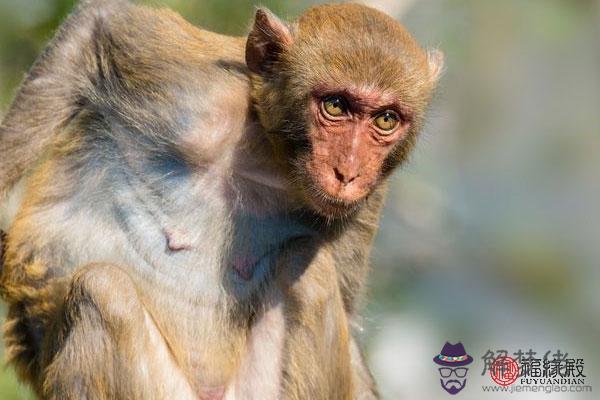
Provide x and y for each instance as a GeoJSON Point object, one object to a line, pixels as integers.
{"type": "Point", "coordinates": [387, 121]}
{"type": "Point", "coordinates": [334, 106]}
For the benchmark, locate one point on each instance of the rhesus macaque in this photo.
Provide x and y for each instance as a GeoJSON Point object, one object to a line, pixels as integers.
{"type": "Point", "coordinates": [189, 215]}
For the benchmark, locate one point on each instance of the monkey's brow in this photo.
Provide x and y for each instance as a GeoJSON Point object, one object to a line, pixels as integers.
{"type": "Point", "coordinates": [356, 93]}
{"type": "Point", "coordinates": [369, 97]}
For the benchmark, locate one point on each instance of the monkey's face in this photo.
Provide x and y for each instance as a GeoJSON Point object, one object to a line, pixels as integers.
{"type": "Point", "coordinates": [351, 132]}
{"type": "Point", "coordinates": [342, 94]}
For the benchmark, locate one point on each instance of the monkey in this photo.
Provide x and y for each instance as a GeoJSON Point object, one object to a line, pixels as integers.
{"type": "Point", "coordinates": [189, 215]}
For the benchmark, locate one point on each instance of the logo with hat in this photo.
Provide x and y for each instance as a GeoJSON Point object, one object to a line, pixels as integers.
{"type": "Point", "coordinates": [452, 361]}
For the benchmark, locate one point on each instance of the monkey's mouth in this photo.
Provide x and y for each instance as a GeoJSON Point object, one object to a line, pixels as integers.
{"type": "Point", "coordinates": [315, 196]}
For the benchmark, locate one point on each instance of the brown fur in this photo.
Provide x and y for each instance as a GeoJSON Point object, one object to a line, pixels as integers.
{"type": "Point", "coordinates": [153, 157]}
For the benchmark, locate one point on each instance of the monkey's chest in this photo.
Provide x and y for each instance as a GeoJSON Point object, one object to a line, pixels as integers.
{"type": "Point", "coordinates": [199, 236]}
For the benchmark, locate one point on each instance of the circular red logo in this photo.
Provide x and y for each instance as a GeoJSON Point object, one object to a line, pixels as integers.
{"type": "Point", "coordinates": [504, 371]}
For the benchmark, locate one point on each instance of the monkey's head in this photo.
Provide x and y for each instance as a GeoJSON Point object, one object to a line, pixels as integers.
{"type": "Point", "coordinates": [341, 93]}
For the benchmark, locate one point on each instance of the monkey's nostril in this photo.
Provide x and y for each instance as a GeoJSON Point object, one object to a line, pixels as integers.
{"type": "Point", "coordinates": [344, 178]}
{"type": "Point", "coordinates": [338, 175]}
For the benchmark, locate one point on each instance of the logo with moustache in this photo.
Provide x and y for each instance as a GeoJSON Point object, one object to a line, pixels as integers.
{"type": "Point", "coordinates": [453, 374]}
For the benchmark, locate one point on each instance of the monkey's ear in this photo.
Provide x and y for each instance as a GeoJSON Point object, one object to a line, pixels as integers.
{"type": "Point", "coordinates": [268, 38]}
{"type": "Point", "coordinates": [435, 59]}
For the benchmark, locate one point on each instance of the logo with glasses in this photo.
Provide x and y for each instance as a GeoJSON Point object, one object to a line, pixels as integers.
{"type": "Point", "coordinates": [452, 360]}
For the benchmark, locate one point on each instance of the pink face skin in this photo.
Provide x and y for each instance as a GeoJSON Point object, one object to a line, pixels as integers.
{"type": "Point", "coordinates": [348, 150]}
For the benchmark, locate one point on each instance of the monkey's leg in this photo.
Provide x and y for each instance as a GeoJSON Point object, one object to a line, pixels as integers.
{"type": "Point", "coordinates": [107, 347]}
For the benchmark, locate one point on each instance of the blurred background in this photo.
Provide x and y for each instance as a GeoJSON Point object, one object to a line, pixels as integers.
{"type": "Point", "coordinates": [491, 235]}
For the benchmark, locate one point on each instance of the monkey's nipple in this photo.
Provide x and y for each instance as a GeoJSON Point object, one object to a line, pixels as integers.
{"type": "Point", "coordinates": [176, 241]}
{"type": "Point", "coordinates": [244, 266]}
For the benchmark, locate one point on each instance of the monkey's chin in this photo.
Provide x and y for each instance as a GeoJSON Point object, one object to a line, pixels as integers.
{"type": "Point", "coordinates": [331, 207]}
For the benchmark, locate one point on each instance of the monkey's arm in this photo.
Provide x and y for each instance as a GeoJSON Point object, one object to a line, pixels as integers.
{"type": "Point", "coordinates": [364, 384]}
{"type": "Point", "coordinates": [298, 345]}
{"type": "Point", "coordinates": [318, 357]}
{"type": "Point", "coordinates": [351, 254]}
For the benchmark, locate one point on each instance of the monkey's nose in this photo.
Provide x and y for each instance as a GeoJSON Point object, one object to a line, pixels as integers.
{"type": "Point", "coordinates": [345, 177]}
